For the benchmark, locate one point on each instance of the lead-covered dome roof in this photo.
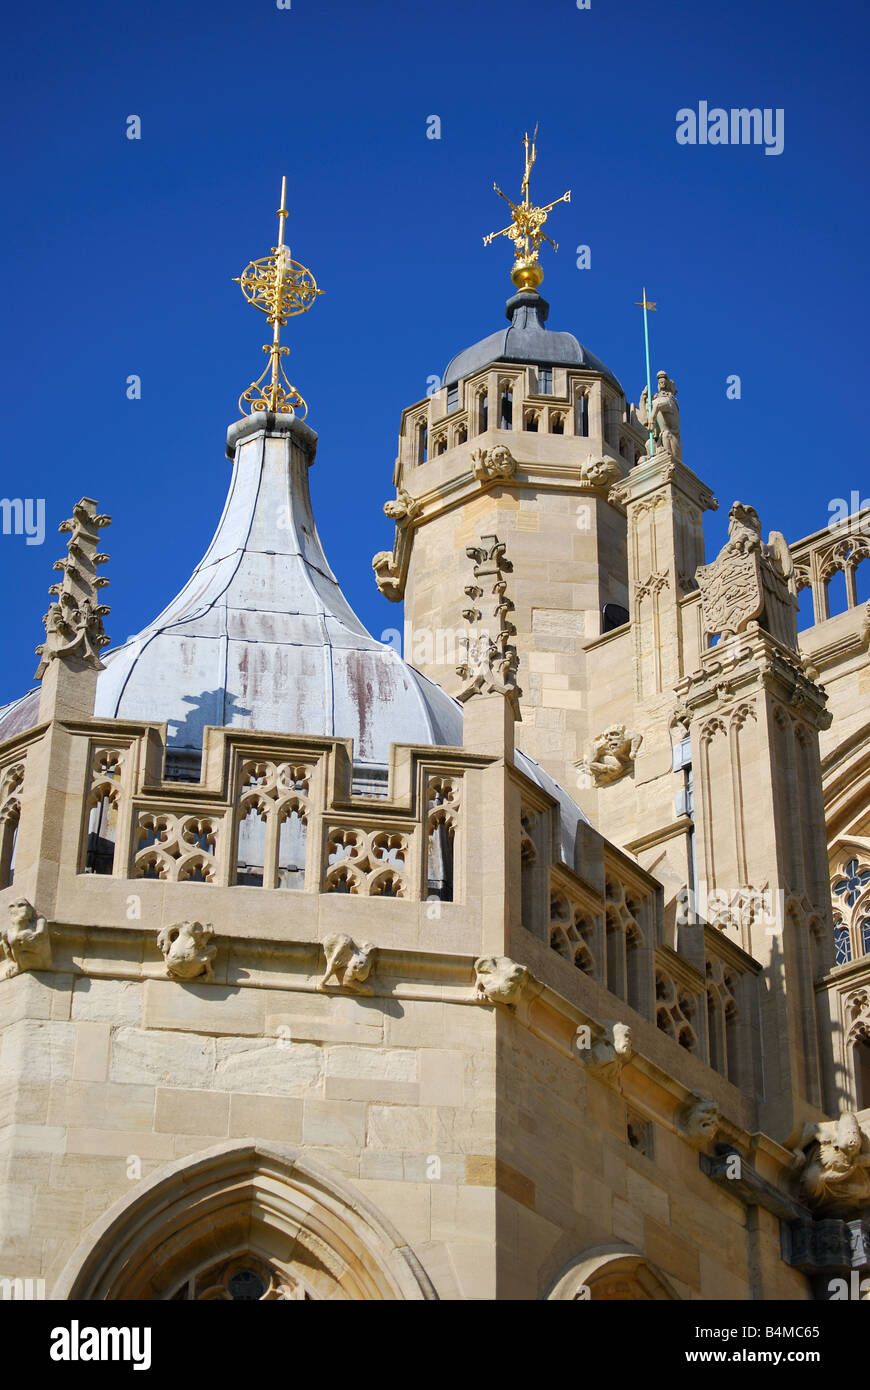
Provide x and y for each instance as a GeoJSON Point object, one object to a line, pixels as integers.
{"type": "Point", "coordinates": [527, 339]}
{"type": "Point", "coordinates": [262, 637]}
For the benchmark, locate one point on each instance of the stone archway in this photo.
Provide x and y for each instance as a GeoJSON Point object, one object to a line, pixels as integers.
{"type": "Point", "coordinates": [258, 1200]}
{"type": "Point", "coordinates": [612, 1274]}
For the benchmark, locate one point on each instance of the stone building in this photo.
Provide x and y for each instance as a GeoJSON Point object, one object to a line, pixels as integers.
{"type": "Point", "coordinates": [533, 966]}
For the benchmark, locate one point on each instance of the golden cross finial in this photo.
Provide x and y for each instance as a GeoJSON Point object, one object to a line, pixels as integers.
{"type": "Point", "coordinates": [525, 229]}
{"type": "Point", "coordinates": [280, 288]}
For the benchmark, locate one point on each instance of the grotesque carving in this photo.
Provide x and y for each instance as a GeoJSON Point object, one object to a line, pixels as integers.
{"type": "Point", "coordinates": [349, 963]}
{"type": "Point", "coordinates": [699, 1119]}
{"type": "Point", "coordinates": [499, 980]}
{"type": "Point", "coordinates": [387, 575]}
{"type": "Point", "coordinates": [599, 472]}
{"type": "Point", "coordinates": [662, 418]}
{"type": "Point", "coordinates": [832, 1164]}
{"type": "Point", "coordinates": [497, 462]}
{"type": "Point", "coordinates": [74, 625]}
{"type": "Point", "coordinates": [187, 950]}
{"type": "Point", "coordinates": [611, 755]}
{"type": "Point", "coordinates": [25, 943]}
{"type": "Point", "coordinates": [490, 664]}
{"type": "Point", "coordinates": [750, 580]}
{"type": "Point", "coordinates": [610, 1053]}
{"type": "Point", "coordinates": [404, 509]}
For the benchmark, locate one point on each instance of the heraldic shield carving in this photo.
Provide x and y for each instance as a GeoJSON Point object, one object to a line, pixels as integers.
{"type": "Point", "coordinates": [732, 592]}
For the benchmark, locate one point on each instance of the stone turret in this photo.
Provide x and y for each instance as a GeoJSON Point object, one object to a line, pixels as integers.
{"type": "Point", "coordinates": [524, 438]}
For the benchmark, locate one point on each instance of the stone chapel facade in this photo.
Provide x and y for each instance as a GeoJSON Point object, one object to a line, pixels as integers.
{"type": "Point", "coordinates": [536, 966]}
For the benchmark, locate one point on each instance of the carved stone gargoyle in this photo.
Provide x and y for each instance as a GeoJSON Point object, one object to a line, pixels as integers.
{"type": "Point", "coordinates": [699, 1120]}
{"type": "Point", "coordinates": [832, 1165]}
{"type": "Point", "coordinates": [499, 980]}
{"type": "Point", "coordinates": [387, 575]}
{"type": "Point", "coordinates": [346, 962]}
{"type": "Point", "coordinates": [599, 473]}
{"type": "Point", "coordinates": [404, 508]}
{"type": "Point", "coordinates": [497, 462]}
{"type": "Point", "coordinates": [609, 1054]}
{"type": "Point", "coordinates": [26, 942]}
{"type": "Point", "coordinates": [611, 755]}
{"type": "Point", "coordinates": [187, 950]}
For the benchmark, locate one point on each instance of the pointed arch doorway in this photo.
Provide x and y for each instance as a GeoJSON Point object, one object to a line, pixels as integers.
{"type": "Point", "coordinates": [243, 1221]}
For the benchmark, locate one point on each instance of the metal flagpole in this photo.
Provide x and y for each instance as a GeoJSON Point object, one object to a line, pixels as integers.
{"type": "Point", "coordinates": [645, 304]}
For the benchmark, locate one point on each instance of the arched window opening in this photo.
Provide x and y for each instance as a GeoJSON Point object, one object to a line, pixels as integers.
{"type": "Point", "coordinates": [292, 846]}
{"type": "Point", "coordinates": [482, 412]}
{"type": "Point", "coordinates": [461, 434]}
{"type": "Point", "coordinates": [861, 1054]}
{"type": "Point", "coordinates": [806, 615]}
{"type": "Point", "coordinates": [557, 422]}
{"type": "Point", "coordinates": [528, 860]}
{"type": "Point", "coordinates": [440, 445]}
{"type": "Point", "coordinates": [862, 582]}
{"type": "Point", "coordinates": [635, 961]}
{"type": "Point", "coordinates": [842, 944]}
{"type": "Point", "coordinates": [716, 1032]}
{"type": "Point", "coordinates": [582, 417]}
{"type": "Point", "coordinates": [8, 844]}
{"type": "Point", "coordinates": [530, 421]}
{"type": "Point", "coordinates": [439, 871]}
{"type": "Point", "coordinates": [102, 830]}
{"type": "Point", "coordinates": [251, 852]}
{"type": "Point", "coordinates": [506, 409]}
{"type": "Point", "coordinates": [615, 949]}
{"type": "Point", "coordinates": [835, 591]}
{"type": "Point", "coordinates": [422, 453]}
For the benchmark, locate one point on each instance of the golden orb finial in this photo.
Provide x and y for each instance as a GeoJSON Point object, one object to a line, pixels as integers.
{"type": "Point", "coordinates": [280, 287]}
{"type": "Point", "coordinates": [526, 226]}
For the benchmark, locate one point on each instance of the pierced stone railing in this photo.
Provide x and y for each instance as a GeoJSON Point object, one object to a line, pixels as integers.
{"type": "Point", "coordinates": [818, 558]}
{"type": "Point", "coordinates": [275, 814]}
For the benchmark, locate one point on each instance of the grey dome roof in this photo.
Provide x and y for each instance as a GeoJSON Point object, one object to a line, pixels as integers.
{"type": "Point", "coordinates": [526, 340]}
{"type": "Point", "coordinates": [262, 637]}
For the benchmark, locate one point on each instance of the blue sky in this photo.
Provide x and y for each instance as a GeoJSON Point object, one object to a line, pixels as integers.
{"type": "Point", "coordinates": [119, 254]}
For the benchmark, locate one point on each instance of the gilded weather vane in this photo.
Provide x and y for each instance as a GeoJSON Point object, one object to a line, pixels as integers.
{"type": "Point", "coordinates": [280, 287]}
{"type": "Point", "coordinates": [526, 227]}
